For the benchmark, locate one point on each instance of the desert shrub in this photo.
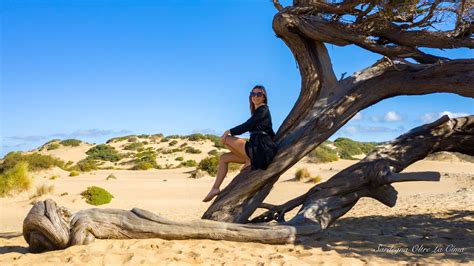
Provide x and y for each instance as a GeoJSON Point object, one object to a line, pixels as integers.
{"type": "Point", "coordinates": [213, 152]}
{"type": "Point", "coordinates": [216, 140]}
{"type": "Point", "coordinates": [15, 179]}
{"type": "Point", "coordinates": [234, 167]}
{"type": "Point", "coordinates": [196, 137]}
{"type": "Point", "coordinates": [314, 179]}
{"type": "Point", "coordinates": [35, 161]}
{"type": "Point", "coordinates": [367, 147]}
{"type": "Point", "coordinates": [145, 142]}
{"type": "Point", "coordinates": [133, 146]}
{"type": "Point", "coordinates": [96, 195]}
{"type": "Point", "coordinates": [117, 139]}
{"type": "Point", "coordinates": [54, 177]}
{"type": "Point", "coordinates": [69, 163]}
{"type": "Point", "coordinates": [73, 173]}
{"type": "Point", "coordinates": [173, 142]}
{"type": "Point", "coordinates": [348, 147]}
{"type": "Point", "coordinates": [182, 145]}
{"type": "Point", "coordinates": [180, 158]}
{"type": "Point", "coordinates": [143, 136]}
{"type": "Point", "coordinates": [209, 164]}
{"type": "Point", "coordinates": [174, 136]}
{"type": "Point", "coordinates": [111, 176]}
{"type": "Point", "coordinates": [71, 142]}
{"type": "Point", "coordinates": [165, 139]}
{"type": "Point", "coordinates": [302, 174]}
{"type": "Point", "coordinates": [189, 163]}
{"type": "Point", "coordinates": [52, 146]}
{"type": "Point", "coordinates": [143, 166]}
{"type": "Point", "coordinates": [43, 190]}
{"type": "Point", "coordinates": [145, 160]}
{"type": "Point", "coordinates": [158, 135]}
{"type": "Point", "coordinates": [323, 154]}
{"type": "Point", "coordinates": [192, 150]}
{"type": "Point", "coordinates": [103, 152]}
{"type": "Point", "coordinates": [132, 139]}
{"type": "Point", "coordinates": [86, 165]}
{"type": "Point", "coordinates": [51, 141]}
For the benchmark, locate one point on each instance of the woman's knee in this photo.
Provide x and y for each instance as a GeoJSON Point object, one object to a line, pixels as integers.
{"type": "Point", "coordinates": [226, 157]}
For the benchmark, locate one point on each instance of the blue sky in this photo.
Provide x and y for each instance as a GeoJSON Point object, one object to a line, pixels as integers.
{"type": "Point", "coordinates": [93, 70]}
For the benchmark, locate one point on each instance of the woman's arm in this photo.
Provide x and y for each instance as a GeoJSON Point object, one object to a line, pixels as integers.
{"type": "Point", "coordinates": [256, 118]}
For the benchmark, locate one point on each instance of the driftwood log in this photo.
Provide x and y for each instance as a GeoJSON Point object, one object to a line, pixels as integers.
{"type": "Point", "coordinates": [50, 227]}
{"type": "Point", "coordinates": [394, 29]}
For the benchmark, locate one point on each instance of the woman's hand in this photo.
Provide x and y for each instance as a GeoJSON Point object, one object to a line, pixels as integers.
{"type": "Point", "coordinates": [227, 132]}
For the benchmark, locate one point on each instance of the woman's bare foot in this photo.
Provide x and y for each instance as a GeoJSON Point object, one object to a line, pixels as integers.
{"type": "Point", "coordinates": [214, 192]}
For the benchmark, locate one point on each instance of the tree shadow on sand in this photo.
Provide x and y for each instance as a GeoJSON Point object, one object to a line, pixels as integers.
{"type": "Point", "coordinates": [407, 238]}
{"type": "Point", "coordinates": [12, 249]}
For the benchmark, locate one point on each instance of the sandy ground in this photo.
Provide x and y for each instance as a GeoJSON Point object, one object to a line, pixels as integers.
{"type": "Point", "coordinates": [433, 222]}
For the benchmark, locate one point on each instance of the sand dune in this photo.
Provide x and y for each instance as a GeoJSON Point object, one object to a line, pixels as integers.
{"type": "Point", "coordinates": [429, 214]}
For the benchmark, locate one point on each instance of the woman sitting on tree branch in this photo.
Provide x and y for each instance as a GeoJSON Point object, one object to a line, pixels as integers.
{"type": "Point", "coordinates": [256, 153]}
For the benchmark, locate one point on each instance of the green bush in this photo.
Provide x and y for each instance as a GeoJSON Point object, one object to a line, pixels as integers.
{"type": "Point", "coordinates": [173, 142]}
{"type": "Point", "coordinates": [189, 163]}
{"type": "Point", "coordinates": [15, 179]}
{"type": "Point", "coordinates": [217, 141]}
{"type": "Point", "coordinates": [180, 158]}
{"type": "Point", "coordinates": [85, 165]}
{"type": "Point", "coordinates": [52, 146]}
{"type": "Point", "coordinates": [143, 166]}
{"type": "Point", "coordinates": [196, 137]}
{"type": "Point", "coordinates": [145, 160]}
{"type": "Point", "coordinates": [182, 145]}
{"type": "Point", "coordinates": [133, 146]}
{"type": "Point", "coordinates": [348, 147]}
{"type": "Point", "coordinates": [158, 135]}
{"type": "Point", "coordinates": [97, 196]}
{"type": "Point", "coordinates": [213, 153]}
{"type": "Point", "coordinates": [234, 167]}
{"type": "Point", "coordinates": [74, 173]}
{"type": "Point", "coordinates": [117, 139]}
{"type": "Point", "coordinates": [143, 136]}
{"type": "Point", "coordinates": [165, 139]}
{"type": "Point", "coordinates": [209, 164]}
{"type": "Point", "coordinates": [132, 139]}
{"type": "Point", "coordinates": [35, 161]}
{"type": "Point", "coordinates": [103, 152]}
{"type": "Point", "coordinates": [323, 154]}
{"type": "Point", "coordinates": [192, 150]}
{"type": "Point", "coordinates": [302, 174]}
{"type": "Point", "coordinates": [71, 142]}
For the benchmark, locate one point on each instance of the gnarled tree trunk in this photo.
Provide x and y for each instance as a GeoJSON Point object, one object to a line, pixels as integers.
{"type": "Point", "coordinates": [324, 105]}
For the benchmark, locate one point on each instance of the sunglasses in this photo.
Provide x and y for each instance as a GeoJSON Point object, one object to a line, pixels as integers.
{"type": "Point", "coordinates": [256, 94]}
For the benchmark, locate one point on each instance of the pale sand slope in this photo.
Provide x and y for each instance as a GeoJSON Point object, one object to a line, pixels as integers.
{"type": "Point", "coordinates": [427, 213]}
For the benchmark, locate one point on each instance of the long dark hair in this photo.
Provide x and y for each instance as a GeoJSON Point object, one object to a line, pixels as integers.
{"type": "Point", "coordinates": [252, 106]}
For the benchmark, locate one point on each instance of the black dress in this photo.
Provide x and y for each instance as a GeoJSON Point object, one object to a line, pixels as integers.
{"type": "Point", "coordinates": [260, 148]}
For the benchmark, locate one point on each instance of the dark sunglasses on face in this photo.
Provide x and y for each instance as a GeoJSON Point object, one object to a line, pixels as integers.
{"type": "Point", "coordinates": [256, 94]}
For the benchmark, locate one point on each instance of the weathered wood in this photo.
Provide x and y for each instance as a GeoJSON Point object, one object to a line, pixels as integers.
{"type": "Point", "coordinates": [50, 227]}
{"type": "Point", "coordinates": [323, 107]}
{"type": "Point", "coordinates": [324, 104]}
{"type": "Point", "coordinates": [372, 175]}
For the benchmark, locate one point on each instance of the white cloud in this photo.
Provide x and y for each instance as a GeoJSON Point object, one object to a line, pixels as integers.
{"type": "Point", "coordinates": [392, 116]}
{"type": "Point", "coordinates": [369, 129]}
{"type": "Point", "coordinates": [77, 133]}
{"type": "Point", "coordinates": [430, 117]}
{"type": "Point", "coordinates": [357, 116]}
{"type": "Point", "coordinates": [452, 115]}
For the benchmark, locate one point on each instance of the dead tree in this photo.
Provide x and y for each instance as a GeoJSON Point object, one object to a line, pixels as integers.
{"type": "Point", "coordinates": [394, 29]}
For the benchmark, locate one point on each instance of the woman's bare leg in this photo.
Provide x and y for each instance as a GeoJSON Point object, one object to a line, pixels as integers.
{"type": "Point", "coordinates": [222, 169]}
{"type": "Point", "coordinates": [237, 146]}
